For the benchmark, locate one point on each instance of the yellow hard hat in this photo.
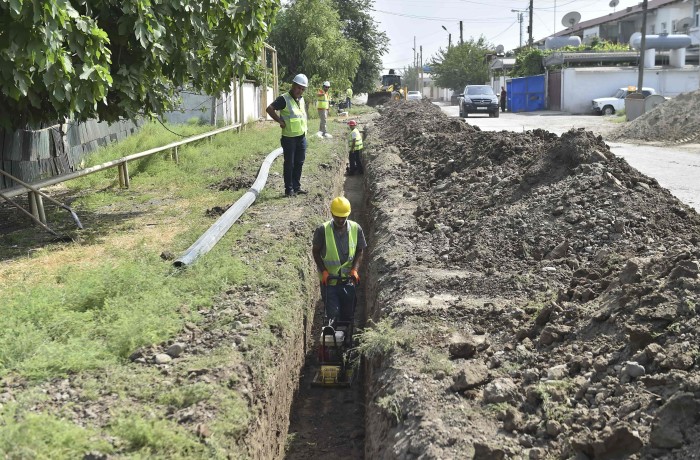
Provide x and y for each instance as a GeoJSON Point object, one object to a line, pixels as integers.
{"type": "Point", "coordinates": [340, 207]}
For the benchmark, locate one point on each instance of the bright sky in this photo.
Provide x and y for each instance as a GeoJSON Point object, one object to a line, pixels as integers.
{"type": "Point", "coordinates": [404, 19]}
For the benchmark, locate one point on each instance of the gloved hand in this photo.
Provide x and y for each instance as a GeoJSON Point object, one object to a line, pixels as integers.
{"type": "Point", "coordinates": [324, 277]}
{"type": "Point", "coordinates": [355, 276]}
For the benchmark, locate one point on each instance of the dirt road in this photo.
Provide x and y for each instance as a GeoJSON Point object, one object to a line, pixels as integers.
{"type": "Point", "coordinates": [675, 167]}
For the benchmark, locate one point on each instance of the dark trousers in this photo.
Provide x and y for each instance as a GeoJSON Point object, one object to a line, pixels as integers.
{"type": "Point", "coordinates": [355, 164]}
{"type": "Point", "coordinates": [348, 102]}
{"type": "Point", "coordinates": [503, 105]}
{"type": "Point", "coordinates": [339, 301]}
{"type": "Point", "coordinates": [294, 155]}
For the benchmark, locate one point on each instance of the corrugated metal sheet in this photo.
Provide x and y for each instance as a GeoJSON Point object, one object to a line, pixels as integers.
{"type": "Point", "coordinates": [31, 155]}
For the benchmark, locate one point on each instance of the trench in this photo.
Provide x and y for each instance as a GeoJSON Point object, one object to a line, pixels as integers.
{"type": "Point", "coordinates": [331, 421]}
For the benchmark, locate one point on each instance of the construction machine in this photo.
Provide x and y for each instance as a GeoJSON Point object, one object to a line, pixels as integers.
{"type": "Point", "coordinates": [337, 356]}
{"type": "Point", "coordinates": [390, 89]}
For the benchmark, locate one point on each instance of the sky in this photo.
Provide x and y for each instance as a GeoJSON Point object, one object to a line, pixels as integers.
{"type": "Point", "coordinates": [402, 20]}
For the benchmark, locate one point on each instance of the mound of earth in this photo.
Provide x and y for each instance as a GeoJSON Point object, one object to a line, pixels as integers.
{"type": "Point", "coordinates": [557, 286]}
{"type": "Point", "coordinates": [676, 120]}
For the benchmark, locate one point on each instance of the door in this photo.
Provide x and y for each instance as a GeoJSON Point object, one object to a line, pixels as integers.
{"type": "Point", "coordinates": [554, 89]}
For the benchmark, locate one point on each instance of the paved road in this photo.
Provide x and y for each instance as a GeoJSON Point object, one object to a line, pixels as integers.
{"type": "Point", "coordinates": [676, 168]}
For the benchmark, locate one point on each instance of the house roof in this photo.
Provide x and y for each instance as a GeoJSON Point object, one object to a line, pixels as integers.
{"type": "Point", "coordinates": [559, 58]}
{"type": "Point", "coordinates": [629, 11]}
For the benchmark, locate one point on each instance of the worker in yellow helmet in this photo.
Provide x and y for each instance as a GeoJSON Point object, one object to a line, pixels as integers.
{"type": "Point", "coordinates": [338, 246]}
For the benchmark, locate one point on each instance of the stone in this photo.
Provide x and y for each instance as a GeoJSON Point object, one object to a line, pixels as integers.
{"type": "Point", "coordinates": [162, 358]}
{"type": "Point", "coordinates": [674, 420]}
{"type": "Point", "coordinates": [513, 421]}
{"type": "Point", "coordinates": [466, 346]}
{"type": "Point", "coordinates": [483, 451]}
{"type": "Point", "coordinates": [633, 370]}
{"type": "Point", "coordinates": [501, 390]}
{"type": "Point", "coordinates": [559, 372]}
{"type": "Point", "coordinates": [175, 350]}
{"type": "Point", "coordinates": [469, 377]}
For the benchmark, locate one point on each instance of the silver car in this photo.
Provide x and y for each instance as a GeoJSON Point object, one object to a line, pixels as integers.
{"type": "Point", "coordinates": [414, 96]}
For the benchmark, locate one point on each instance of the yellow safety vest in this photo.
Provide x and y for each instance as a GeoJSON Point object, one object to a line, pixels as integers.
{"type": "Point", "coordinates": [331, 259]}
{"type": "Point", "coordinates": [294, 116]}
{"type": "Point", "coordinates": [358, 140]}
{"type": "Point", "coordinates": [323, 100]}
{"type": "Point", "coordinates": [348, 93]}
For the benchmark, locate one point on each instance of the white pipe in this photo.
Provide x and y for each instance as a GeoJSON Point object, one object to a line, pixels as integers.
{"type": "Point", "coordinates": [212, 236]}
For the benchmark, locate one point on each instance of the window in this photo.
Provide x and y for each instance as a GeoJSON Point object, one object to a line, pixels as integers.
{"type": "Point", "coordinates": [653, 29]}
{"type": "Point", "coordinates": [663, 28]}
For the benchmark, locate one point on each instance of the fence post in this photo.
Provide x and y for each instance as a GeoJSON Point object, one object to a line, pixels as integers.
{"type": "Point", "coordinates": [40, 207]}
{"type": "Point", "coordinates": [120, 173]}
{"type": "Point", "coordinates": [127, 181]}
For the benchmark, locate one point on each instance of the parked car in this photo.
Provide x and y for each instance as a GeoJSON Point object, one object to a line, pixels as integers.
{"type": "Point", "coordinates": [414, 96]}
{"type": "Point", "coordinates": [610, 105]}
{"type": "Point", "coordinates": [478, 99]}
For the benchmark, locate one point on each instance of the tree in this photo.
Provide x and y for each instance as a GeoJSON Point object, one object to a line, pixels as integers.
{"type": "Point", "coordinates": [359, 26]}
{"type": "Point", "coordinates": [308, 38]}
{"type": "Point", "coordinates": [411, 78]}
{"type": "Point", "coordinates": [529, 62]}
{"type": "Point", "coordinates": [461, 65]}
{"type": "Point", "coordinates": [108, 59]}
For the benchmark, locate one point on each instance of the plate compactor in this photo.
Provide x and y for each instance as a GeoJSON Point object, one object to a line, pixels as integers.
{"type": "Point", "coordinates": [336, 353]}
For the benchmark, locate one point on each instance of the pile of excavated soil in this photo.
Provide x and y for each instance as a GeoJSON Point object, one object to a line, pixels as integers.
{"type": "Point", "coordinates": [548, 290]}
{"type": "Point", "coordinates": [676, 120]}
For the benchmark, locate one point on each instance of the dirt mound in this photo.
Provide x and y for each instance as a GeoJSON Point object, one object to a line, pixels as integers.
{"type": "Point", "coordinates": [675, 120]}
{"type": "Point", "coordinates": [575, 275]}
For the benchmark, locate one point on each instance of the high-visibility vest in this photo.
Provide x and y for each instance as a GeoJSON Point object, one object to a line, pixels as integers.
{"type": "Point", "coordinates": [331, 259]}
{"type": "Point", "coordinates": [323, 100]}
{"type": "Point", "coordinates": [348, 93]}
{"type": "Point", "coordinates": [294, 116]}
{"type": "Point", "coordinates": [358, 140]}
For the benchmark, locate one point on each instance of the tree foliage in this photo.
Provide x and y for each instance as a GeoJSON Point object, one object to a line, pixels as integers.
{"type": "Point", "coordinates": [358, 25]}
{"type": "Point", "coordinates": [108, 59]}
{"type": "Point", "coordinates": [411, 78]}
{"type": "Point", "coordinates": [309, 39]}
{"type": "Point", "coordinates": [528, 62]}
{"type": "Point", "coordinates": [461, 65]}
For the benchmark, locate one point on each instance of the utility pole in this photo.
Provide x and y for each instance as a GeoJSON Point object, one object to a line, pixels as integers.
{"type": "Point", "coordinates": [415, 63]}
{"type": "Point", "coordinates": [461, 35]}
{"type": "Point", "coordinates": [529, 28]}
{"type": "Point", "coordinates": [642, 45]}
{"type": "Point", "coordinates": [520, 21]}
{"type": "Point", "coordinates": [421, 69]}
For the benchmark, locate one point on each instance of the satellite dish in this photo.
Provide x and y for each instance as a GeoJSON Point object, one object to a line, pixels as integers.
{"type": "Point", "coordinates": [613, 3]}
{"type": "Point", "coordinates": [684, 24]}
{"type": "Point", "coordinates": [571, 19]}
{"type": "Point", "coordinates": [500, 49]}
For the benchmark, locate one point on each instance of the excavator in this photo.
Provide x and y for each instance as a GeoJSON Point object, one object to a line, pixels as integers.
{"type": "Point", "coordinates": [390, 89]}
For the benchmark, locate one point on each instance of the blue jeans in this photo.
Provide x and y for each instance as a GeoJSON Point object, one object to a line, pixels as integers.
{"type": "Point", "coordinates": [339, 301]}
{"type": "Point", "coordinates": [294, 155]}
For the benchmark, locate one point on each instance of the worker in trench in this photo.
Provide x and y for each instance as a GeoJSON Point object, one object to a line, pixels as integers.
{"type": "Point", "coordinates": [338, 246]}
{"type": "Point", "coordinates": [355, 148]}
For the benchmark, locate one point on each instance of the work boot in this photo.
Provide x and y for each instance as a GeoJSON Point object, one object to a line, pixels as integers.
{"type": "Point", "coordinates": [301, 191]}
{"type": "Point", "coordinates": [289, 194]}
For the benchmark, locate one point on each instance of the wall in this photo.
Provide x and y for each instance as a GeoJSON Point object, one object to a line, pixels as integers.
{"type": "Point", "coordinates": [227, 106]}
{"type": "Point", "coordinates": [581, 85]}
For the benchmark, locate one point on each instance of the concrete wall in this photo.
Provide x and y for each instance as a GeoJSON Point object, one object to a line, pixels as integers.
{"type": "Point", "coordinates": [581, 85]}
{"type": "Point", "coordinates": [227, 106]}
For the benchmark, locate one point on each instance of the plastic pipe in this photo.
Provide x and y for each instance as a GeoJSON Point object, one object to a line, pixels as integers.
{"type": "Point", "coordinates": [227, 219]}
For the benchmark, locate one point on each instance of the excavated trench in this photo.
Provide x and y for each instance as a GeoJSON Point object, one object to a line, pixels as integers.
{"type": "Point", "coordinates": [329, 422]}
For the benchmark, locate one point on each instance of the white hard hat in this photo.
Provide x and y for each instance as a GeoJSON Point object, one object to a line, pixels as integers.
{"type": "Point", "coordinates": [301, 80]}
{"type": "Point", "coordinates": [327, 83]}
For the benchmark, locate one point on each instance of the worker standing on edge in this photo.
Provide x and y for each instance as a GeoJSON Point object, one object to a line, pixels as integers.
{"type": "Point", "coordinates": [348, 98]}
{"type": "Point", "coordinates": [323, 104]}
{"type": "Point", "coordinates": [292, 120]}
{"type": "Point", "coordinates": [338, 246]}
{"type": "Point", "coordinates": [355, 149]}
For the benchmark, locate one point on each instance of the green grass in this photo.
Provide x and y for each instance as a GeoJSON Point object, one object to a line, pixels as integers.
{"type": "Point", "coordinates": [381, 339]}
{"type": "Point", "coordinates": [78, 310]}
{"type": "Point", "coordinates": [28, 435]}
